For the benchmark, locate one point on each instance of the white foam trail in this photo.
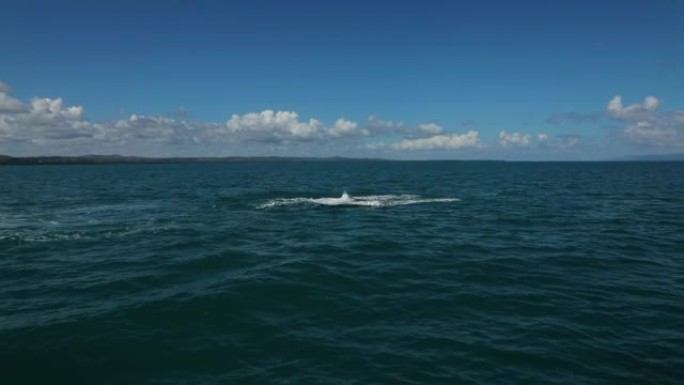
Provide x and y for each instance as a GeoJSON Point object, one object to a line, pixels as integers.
{"type": "Point", "coordinates": [346, 200]}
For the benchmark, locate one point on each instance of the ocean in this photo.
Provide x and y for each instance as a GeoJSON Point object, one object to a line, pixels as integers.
{"type": "Point", "coordinates": [353, 272]}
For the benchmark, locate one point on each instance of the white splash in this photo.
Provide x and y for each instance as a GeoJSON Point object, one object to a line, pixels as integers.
{"type": "Point", "coordinates": [347, 200]}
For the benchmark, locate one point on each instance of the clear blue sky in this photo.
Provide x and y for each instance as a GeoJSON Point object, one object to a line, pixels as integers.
{"type": "Point", "coordinates": [531, 79]}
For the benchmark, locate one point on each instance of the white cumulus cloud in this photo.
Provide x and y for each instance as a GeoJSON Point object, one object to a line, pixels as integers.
{"type": "Point", "coordinates": [514, 139]}
{"type": "Point", "coordinates": [381, 126]}
{"type": "Point", "coordinates": [440, 142]}
{"type": "Point", "coordinates": [646, 125]}
{"type": "Point", "coordinates": [655, 133]}
{"type": "Point", "coordinates": [518, 140]}
{"type": "Point", "coordinates": [617, 110]}
{"type": "Point", "coordinates": [431, 128]}
{"type": "Point", "coordinates": [344, 127]}
{"type": "Point", "coordinates": [274, 125]}
{"type": "Point", "coordinates": [44, 119]}
{"type": "Point", "coordinates": [9, 104]}
{"type": "Point", "coordinates": [283, 126]}
{"type": "Point", "coordinates": [50, 125]}
{"type": "Point", "coordinates": [153, 129]}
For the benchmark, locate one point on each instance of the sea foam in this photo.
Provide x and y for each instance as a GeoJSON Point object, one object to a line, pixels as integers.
{"type": "Point", "coordinates": [347, 200]}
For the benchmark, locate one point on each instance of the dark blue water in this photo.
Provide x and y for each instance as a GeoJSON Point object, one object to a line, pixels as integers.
{"type": "Point", "coordinates": [264, 273]}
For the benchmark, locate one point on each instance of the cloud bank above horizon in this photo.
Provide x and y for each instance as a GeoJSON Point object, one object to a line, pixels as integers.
{"type": "Point", "coordinates": [48, 126]}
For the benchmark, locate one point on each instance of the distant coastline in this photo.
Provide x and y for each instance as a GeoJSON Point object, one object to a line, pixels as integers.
{"type": "Point", "coordinates": [121, 159]}
{"type": "Point", "coordinates": [6, 160]}
{"type": "Point", "coordinates": [654, 158]}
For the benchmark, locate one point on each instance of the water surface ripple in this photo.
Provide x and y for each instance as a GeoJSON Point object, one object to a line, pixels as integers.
{"type": "Point", "coordinates": [342, 273]}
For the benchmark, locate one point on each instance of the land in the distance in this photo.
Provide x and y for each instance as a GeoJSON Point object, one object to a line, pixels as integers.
{"type": "Point", "coordinates": [121, 159]}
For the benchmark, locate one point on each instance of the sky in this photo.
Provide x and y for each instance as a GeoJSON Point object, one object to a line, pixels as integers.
{"type": "Point", "coordinates": [514, 80]}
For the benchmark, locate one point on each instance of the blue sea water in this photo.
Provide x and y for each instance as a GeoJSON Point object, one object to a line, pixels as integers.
{"type": "Point", "coordinates": [342, 273]}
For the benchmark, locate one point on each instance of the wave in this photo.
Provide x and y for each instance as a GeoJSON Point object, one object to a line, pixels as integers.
{"type": "Point", "coordinates": [347, 200]}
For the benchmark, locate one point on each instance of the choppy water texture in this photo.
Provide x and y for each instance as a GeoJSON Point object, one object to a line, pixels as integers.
{"type": "Point", "coordinates": [422, 273]}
